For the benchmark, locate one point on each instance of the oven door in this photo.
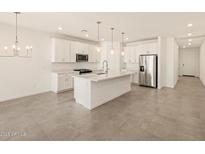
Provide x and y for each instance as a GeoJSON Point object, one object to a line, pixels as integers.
{"type": "Point", "coordinates": [81, 58]}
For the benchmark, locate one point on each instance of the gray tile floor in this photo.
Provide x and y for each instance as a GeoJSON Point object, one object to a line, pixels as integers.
{"type": "Point", "coordinates": [142, 114]}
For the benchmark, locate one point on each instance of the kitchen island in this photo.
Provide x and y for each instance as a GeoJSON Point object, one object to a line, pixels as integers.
{"type": "Point", "coordinates": [93, 90]}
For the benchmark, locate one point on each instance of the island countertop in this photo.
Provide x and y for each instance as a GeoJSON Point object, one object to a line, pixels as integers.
{"type": "Point", "coordinates": [101, 77]}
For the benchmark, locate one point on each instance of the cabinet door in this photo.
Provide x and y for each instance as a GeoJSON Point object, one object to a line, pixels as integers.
{"type": "Point", "coordinates": [60, 50]}
{"type": "Point", "coordinates": [127, 55]}
{"type": "Point", "coordinates": [61, 82]}
{"type": "Point", "coordinates": [92, 53]}
{"type": "Point", "coordinates": [135, 78]}
{"type": "Point", "coordinates": [132, 55]}
{"type": "Point", "coordinates": [137, 52]}
{"type": "Point", "coordinates": [84, 48]}
{"type": "Point", "coordinates": [73, 51]}
{"type": "Point", "coordinates": [67, 51]}
{"type": "Point", "coordinates": [68, 81]}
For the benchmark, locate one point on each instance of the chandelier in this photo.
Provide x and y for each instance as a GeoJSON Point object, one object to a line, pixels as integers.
{"type": "Point", "coordinates": [16, 49]}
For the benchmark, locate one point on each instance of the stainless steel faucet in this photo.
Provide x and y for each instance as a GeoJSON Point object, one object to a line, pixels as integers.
{"type": "Point", "coordinates": [105, 67]}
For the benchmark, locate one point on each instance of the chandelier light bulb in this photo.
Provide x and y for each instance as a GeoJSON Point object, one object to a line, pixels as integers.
{"type": "Point", "coordinates": [5, 48]}
{"type": "Point", "coordinates": [98, 49]}
{"type": "Point", "coordinates": [112, 51]}
{"type": "Point", "coordinates": [123, 53]}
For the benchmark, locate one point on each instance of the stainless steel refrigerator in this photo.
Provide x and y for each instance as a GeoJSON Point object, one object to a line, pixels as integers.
{"type": "Point", "coordinates": [148, 70]}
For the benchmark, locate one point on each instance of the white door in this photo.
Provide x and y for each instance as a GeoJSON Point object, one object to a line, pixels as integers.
{"type": "Point", "coordinates": [188, 63]}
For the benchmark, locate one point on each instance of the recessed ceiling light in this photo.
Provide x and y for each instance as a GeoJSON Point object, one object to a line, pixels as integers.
{"type": "Point", "coordinates": [189, 25]}
{"type": "Point", "coordinates": [86, 35]}
{"type": "Point", "coordinates": [60, 28]}
{"type": "Point", "coordinates": [189, 43]}
{"type": "Point", "coordinates": [189, 34]}
{"type": "Point", "coordinates": [189, 40]}
{"type": "Point", "coordinates": [126, 38]}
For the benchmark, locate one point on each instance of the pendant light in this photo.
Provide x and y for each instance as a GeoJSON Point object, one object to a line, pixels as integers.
{"type": "Point", "coordinates": [98, 23]}
{"type": "Point", "coordinates": [16, 47]}
{"type": "Point", "coordinates": [112, 49]}
{"type": "Point", "coordinates": [122, 52]}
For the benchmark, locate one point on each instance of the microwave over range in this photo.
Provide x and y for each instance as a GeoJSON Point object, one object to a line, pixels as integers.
{"type": "Point", "coordinates": [81, 58]}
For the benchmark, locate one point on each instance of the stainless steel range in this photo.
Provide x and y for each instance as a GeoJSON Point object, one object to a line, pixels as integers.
{"type": "Point", "coordinates": [83, 71]}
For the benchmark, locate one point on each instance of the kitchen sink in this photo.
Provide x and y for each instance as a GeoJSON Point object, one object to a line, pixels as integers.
{"type": "Point", "coordinates": [100, 73]}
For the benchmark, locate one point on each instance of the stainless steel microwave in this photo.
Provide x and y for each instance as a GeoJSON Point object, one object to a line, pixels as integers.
{"type": "Point", "coordinates": [81, 58]}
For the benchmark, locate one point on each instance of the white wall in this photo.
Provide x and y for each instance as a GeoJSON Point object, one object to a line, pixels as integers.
{"type": "Point", "coordinates": [24, 76]}
{"type": "Point", "coordinates": [176, 62]}
{"type": "Point", "coordinates": [202, 63]}
{"type": "Point", "coordinates": [196, 59]}
{"type": "Point", "coordinates": [172, 58]}
{"type": "Point", "coordinates": [162, 62]}
{"type": "Point", "coordinates": [168, 62]}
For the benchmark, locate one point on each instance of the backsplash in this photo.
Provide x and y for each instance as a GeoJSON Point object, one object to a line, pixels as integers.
{"type": "Point", "coordinates": [71, 66]}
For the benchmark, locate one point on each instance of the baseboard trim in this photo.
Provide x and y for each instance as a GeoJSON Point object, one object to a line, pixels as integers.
{"type": "Point", "coordinates": [33, 94]}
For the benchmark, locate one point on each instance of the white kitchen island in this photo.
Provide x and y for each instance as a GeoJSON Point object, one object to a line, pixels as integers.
{"type": "Point", "coordinates": [93, 90]}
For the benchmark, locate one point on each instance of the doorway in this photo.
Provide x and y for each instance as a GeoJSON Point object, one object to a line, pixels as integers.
{"type": "Point", "coordinates": [189, 62]}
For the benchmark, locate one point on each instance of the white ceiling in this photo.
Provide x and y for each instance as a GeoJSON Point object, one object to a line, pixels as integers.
{"type": "Point", "coordinates": [135, 25]}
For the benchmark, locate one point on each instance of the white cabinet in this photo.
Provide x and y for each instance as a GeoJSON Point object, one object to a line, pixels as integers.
{"type": "Point", "coordinates": [92, 53]}
{"type": "Point", "coordinates": [61, 82]}
{"type": "Point", "coordinates": [60, 50]}
{"type": "Point", "coordinates": [65, 51]}
{"type": "Point", "coordinates": [133, 55]}
{"type": "Point", "coordinates": [130, 54]}
{"type": "Point", "coordinates": [148, 48]}
{"type": "Point", "coordinates": [79, 48]}
{"type": "Point", "coordinates": [74, 48]}
{"type": "Point", "coordinates": [135, 78]}
{"type": "Point", "coordinates": [83, 48]}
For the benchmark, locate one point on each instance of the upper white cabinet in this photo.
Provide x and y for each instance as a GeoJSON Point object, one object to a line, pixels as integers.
{"type": "Point", "coordinates": [79, 48]}
{"type": "Point", "coordinates": [132, 52]}
{"type": "Point", "coordinates": [92, 53]}
{"type": "Point", "coordinates": [60, 50]}
{"type": "Point", "coordinates": [74, 50]}
{"type": "Point", "coordinates": [148, 48]}
{"type": "Point", "coordinates": [65, 51]}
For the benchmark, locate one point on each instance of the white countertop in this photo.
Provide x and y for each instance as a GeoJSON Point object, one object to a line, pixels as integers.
{"type": "Point", "coordinates": [101, 77]}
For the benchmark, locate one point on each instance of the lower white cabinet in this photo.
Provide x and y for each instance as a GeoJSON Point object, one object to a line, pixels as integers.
{"type": "Point", "coordinates": [62, 82]}
{"type": "Point", "coordinates": [135, 78]}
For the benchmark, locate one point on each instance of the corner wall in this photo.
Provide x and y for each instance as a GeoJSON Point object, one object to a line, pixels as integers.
{"type": "Point", "coordinates": [168, 62]}
{"type": "Point", "coordinates": [202, 63]}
